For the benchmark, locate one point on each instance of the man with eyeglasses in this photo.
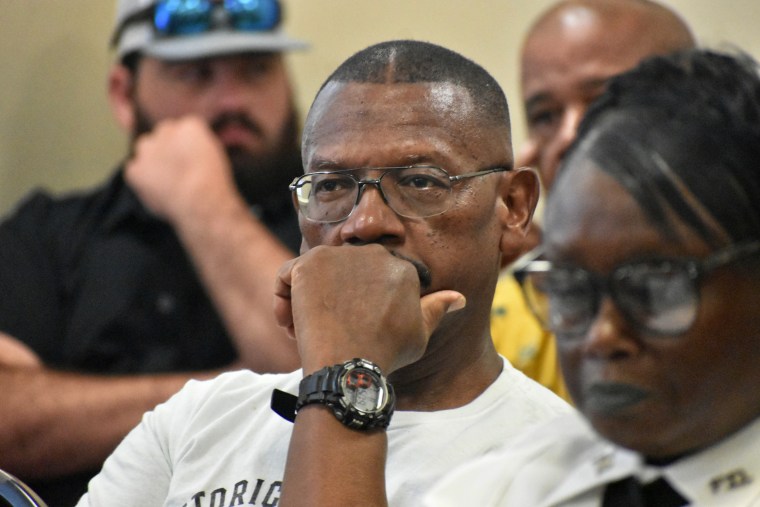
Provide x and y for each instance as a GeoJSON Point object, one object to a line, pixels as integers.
{"type": "Point", "coordinates": [407, 201]}
{"type": "Point", "coordinates": [650, 283]}
{"type": "Point", "coordinates": [114, 298]}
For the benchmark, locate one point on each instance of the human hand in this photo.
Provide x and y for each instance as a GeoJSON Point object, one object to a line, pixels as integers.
{"type": "Point", "coordinates": [357, 301]}
{"type": "Point", "coordinates": [180, 169]}
{"type": "Point", "coordinates": [17, 354]}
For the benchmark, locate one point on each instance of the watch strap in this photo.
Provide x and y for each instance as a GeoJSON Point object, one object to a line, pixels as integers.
{"type": "Point", "coordinates": [284, 404]}
{"type": "Point", "coordinates": [320, 387]}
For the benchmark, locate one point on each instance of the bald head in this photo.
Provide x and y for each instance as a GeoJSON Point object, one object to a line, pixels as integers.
{"type": "Point", "coordinates": [569, 54]}
{"type": "Point", "coordinates": [659, 29]}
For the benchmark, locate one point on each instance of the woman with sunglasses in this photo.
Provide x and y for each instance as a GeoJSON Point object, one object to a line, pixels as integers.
{"type": "Point", "coordinates": [650, 278]}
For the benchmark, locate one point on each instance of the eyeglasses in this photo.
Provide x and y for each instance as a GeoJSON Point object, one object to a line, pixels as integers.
{"type": "Point", "coordinates": [660, 297]}
{"type": "Point", "coordinates": [188, 17]}
{"type": "Point", "coordinates": [417, 191]}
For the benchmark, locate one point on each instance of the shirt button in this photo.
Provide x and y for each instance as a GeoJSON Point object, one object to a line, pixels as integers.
{"type": "Point", "coordinates": [166, 303]}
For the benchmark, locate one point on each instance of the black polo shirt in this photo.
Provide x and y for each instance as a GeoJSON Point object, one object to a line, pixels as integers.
{"type": "Point", "coordinates": [93, 283]}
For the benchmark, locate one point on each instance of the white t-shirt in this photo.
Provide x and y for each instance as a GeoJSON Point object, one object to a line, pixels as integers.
{"type": "Point", "coordinates": [218, 443]}
{"type": "Point", "coordinates": [565, 463]}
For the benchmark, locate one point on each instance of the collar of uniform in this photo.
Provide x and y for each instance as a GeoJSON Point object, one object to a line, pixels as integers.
{"type": "Point", "coordinates": [597, 466]}
{"type": "Point", "coordinates": [725, 474]}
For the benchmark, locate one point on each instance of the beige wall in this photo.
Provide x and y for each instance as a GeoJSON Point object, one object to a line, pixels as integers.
{"type": "Point", "coordinates": [55, 125]}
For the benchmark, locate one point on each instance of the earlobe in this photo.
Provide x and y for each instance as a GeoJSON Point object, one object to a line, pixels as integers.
{"type": "Point", "coordinates": [121, 96]}
{"type": "Point", "coordinates": [519, 191]}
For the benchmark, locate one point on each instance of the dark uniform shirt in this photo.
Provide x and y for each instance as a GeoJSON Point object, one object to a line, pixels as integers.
{"type": "Point", "coordinates": [93, 283]}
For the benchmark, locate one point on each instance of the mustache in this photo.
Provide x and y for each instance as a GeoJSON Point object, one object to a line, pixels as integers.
{"type": "Point", "coordinates": [423, 272]}
{"type": "Point", "coordinates": [237, 119]}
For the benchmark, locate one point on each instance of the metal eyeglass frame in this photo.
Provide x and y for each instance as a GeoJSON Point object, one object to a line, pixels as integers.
{"type": "Point", "coordinates": [361, 183]}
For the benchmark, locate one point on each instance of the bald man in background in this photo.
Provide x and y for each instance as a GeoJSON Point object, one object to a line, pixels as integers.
{"type": "Point", "coordinates": [569, 54]}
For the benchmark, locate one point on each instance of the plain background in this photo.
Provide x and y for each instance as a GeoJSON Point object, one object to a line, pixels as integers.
{"type": "Point", "coordinates": [56, 129]}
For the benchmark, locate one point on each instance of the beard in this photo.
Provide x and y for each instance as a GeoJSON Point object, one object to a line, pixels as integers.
{"type": "Point", "coordinates": [261, 178]}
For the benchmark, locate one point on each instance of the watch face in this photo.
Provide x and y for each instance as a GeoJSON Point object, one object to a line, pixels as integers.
{"type": "Point", "coordinates": [363, 389]}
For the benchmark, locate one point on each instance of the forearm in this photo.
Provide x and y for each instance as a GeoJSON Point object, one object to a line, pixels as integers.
{"type": "Point", "coordinates": [330, 464]}
{"type": "Point", "coordinates": [182, 174]}
{"type": "Point", "coordinates": [54, 423]}
{"type": "Point", "coordinates": [238, 260]}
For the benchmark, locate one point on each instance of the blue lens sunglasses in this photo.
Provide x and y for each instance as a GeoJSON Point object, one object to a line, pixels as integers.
{"type": "Point", "coordinates": [191, 17]}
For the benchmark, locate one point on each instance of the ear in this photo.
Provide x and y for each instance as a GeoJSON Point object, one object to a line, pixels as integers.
{"type": "Point", "coordinates": [121, 91]}
{"type": "Point", "coordinates": [519, 190]}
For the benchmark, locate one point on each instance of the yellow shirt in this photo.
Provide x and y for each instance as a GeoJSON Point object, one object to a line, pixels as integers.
{"type": "Point", "coordinates": [519, 337]}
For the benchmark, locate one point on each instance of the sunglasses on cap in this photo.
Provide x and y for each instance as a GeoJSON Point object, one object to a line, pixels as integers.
{"type": "Point", "coordinates": [657, 296]}
{"type": "Point", "coordinates": [189, 17]}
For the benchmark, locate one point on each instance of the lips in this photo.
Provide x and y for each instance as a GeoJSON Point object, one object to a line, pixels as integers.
{"type": "Point", "coordinates": [612, 398]}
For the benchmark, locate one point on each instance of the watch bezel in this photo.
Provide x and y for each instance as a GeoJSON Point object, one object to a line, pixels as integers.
{"type": "Point", "coordinates": [378, 378]}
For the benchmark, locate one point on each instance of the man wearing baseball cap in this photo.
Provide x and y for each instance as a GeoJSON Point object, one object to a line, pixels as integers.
{"type": "Point", "coordinates": [113, 298]}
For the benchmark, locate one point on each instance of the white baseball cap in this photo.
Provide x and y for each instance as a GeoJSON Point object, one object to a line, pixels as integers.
{"type": "Point", "coordinates": [135, 30]}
